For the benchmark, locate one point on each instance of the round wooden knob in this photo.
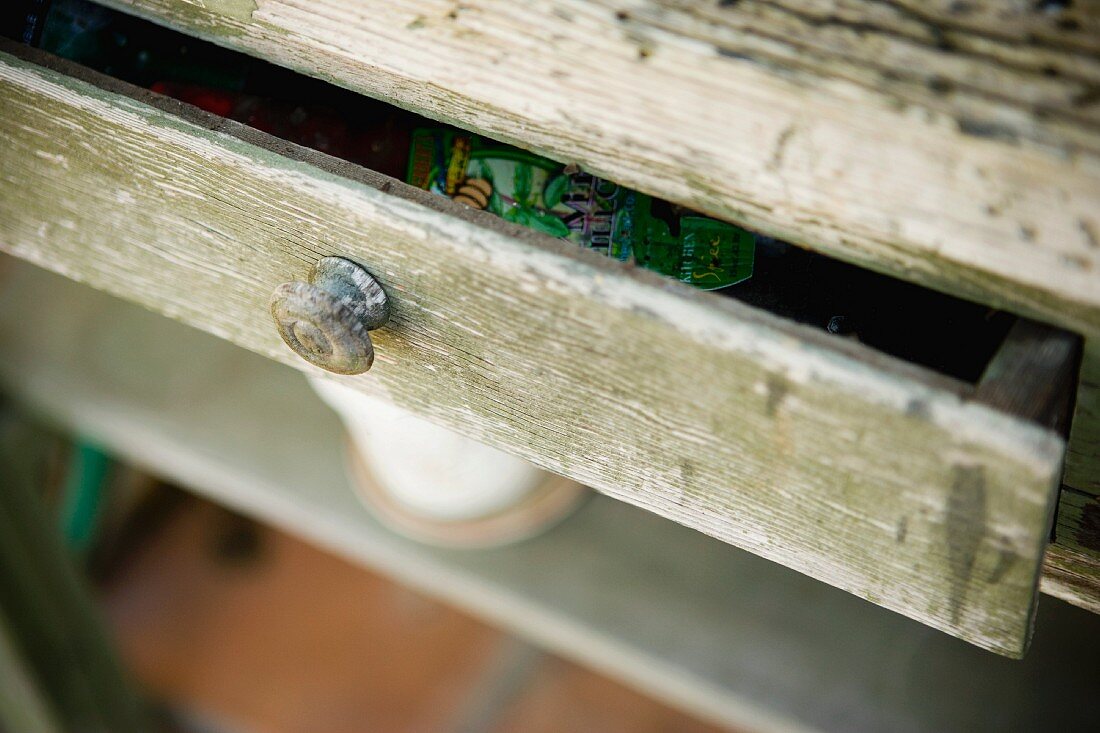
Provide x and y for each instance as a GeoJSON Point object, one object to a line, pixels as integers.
{"type": "Point", "coordinates": [325, 321]}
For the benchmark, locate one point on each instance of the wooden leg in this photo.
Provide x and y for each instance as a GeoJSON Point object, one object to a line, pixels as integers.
{"type": "Point", "coordinates": [50, 624]}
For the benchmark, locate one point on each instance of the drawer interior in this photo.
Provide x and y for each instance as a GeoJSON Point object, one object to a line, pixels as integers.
{"type": "Point", "coordinates": [947, 335]}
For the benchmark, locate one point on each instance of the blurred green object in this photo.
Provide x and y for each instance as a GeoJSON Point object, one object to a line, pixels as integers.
{"type": "Point", "coordinates": [82, 497]}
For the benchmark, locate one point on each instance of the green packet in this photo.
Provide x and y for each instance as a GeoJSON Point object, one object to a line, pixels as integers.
{"type": "Point", "coordinates": [538, 193]}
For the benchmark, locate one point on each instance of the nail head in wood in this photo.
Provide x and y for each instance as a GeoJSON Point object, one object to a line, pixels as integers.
{"type": "Point", "coordinates": [326, 320]}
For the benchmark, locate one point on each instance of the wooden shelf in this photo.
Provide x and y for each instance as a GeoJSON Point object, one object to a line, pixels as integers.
{"type": "Point", "coordinates": [694, 622]}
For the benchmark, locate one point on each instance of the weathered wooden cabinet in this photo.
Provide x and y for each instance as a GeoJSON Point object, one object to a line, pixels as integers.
{"type": "Point", "coordinates": [952, 144]}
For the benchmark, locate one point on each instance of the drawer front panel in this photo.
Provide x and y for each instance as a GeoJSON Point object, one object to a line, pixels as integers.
{"type": "Point", "coordinates": [854, 468]}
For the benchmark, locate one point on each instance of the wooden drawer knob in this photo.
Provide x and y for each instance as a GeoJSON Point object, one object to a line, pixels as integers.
{"type": "Point", "coordinates": [325, 321]}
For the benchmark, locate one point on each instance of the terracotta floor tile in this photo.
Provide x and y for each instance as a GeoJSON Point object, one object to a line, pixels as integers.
{"type": "Point", "coordinates": [261, 632]}
{"type": "Point", "coordinates": [290, 639]}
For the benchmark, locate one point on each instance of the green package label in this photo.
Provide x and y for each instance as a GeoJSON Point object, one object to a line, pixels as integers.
{"type": "Point", "coordinates": [589, 211]}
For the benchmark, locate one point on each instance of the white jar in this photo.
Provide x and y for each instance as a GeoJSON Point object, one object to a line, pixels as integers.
{"type": "Point", "coordinates": [437, 486]}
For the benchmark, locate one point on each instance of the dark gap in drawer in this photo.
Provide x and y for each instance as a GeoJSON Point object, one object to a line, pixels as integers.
{"type": "Point", "coordinates": [946, 334]}
{"type": "Point", "coordinates": [950, 335]}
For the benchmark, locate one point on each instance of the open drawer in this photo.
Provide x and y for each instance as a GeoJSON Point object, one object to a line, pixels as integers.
{"type": "Point", "coordinates": [916, 491]}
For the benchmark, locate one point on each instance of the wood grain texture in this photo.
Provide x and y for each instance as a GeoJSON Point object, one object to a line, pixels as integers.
{"type": "Point", "coordinates": [955, 144]}
{"type": "Point", "coordinates": [1033, 374]}
{"type": "Point", "coordinates": [1083, 454]}
{"type": "Point", "coordinates": [1072, 567]}
{"type": "Point", "coordinates": [679, 615]}
{"type": "Point", "coordinates": [852, 467]}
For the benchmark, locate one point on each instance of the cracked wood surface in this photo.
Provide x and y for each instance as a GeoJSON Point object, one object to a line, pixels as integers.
{"type": "Point", "coordinates": [952, 143]}
{"type": "Point", "coordinates": [862, 471]}
{"type": "Point", "coordinates": [1072, 567]}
